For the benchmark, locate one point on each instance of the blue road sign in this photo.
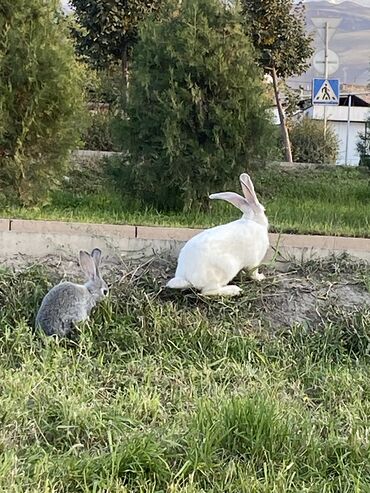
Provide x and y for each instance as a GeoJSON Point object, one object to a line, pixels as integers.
{"type": "Point", "coordinates": [325, 91]}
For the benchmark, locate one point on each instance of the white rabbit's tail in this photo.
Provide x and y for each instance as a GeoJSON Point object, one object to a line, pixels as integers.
{"type": "Point", "coordinates": [178, 283]}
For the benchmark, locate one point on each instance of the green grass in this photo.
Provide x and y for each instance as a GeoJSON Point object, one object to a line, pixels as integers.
{"type": "Point", "coordinates": [320, 201]}
{"type": "Point", "coordinates": [167, 392]}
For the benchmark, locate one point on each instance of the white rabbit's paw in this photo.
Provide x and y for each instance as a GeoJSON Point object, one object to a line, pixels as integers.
{"type": "Point", "coordinates": [178, 283]}
{"type": "Point", "coordinates": [257, 276]}
{"type": "Point", "coordinates": [222, 291]}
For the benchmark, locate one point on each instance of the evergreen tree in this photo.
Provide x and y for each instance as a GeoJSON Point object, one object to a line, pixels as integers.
{"type": "Point", "coordinates": [197, 112]}
{"type": "Point", "coordinates": [40, 98]}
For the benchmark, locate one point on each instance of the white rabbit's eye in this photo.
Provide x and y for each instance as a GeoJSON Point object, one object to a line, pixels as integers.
{"type": "Point", "coordinates": [105, 291]}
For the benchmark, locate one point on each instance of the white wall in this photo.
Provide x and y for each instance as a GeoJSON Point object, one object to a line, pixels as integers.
{"type": "Point", "coordinates": [340, 113]}
{"type": "Point", "coordinates": [340, 129]}
{"type": "Point", "coordinates": [275, 116]}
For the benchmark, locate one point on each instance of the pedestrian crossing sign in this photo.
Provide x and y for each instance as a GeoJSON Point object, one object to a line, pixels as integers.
{"type": "Point", "coordinates": [325, 91]}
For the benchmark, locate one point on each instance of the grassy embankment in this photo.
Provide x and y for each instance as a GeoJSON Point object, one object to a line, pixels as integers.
{"type": "Point", "coordinates": [322, 201]}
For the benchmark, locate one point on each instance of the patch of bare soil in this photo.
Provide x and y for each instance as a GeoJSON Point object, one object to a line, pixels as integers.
{"type": "Point", "coordinates": [305, 293]}
{"type": "Point", "coordinates": [294, 300]}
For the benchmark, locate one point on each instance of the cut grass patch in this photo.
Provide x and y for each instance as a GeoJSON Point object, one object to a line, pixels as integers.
{"type": "Point", "coordinates": [171, 392]}
{"type": "Point", "coordinates": [329, 201]}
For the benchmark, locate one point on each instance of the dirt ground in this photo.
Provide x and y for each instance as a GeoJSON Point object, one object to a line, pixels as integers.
{"type": "Point", "coordinates": [292, 292]}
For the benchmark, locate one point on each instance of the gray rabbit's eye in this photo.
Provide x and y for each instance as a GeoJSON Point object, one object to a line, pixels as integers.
{"type": "Point", "coordinates": [105, 291]}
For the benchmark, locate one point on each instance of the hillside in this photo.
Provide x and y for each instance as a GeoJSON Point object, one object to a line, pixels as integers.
{"type": "Point", "coordinates": [351, 40]}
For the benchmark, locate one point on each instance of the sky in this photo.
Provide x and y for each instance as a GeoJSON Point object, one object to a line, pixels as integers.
{"type": "Point", "coordinates": [66, 6]}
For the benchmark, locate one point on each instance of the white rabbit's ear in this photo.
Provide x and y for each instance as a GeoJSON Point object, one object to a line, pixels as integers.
{"type": "Point", "coordinates": [248, 190]}
{"type": "Point", "coordinates": [232, 197]}
{"type": "Point", "coordinates": [88, 264]}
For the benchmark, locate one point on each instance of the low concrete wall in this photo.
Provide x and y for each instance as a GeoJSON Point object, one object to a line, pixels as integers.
{"type": "Point", "coordinates": [97, 155]}
{"type": "Point", "coordinates": [86, 154]}
{"type": "Point", "coordinates": [41, 238]}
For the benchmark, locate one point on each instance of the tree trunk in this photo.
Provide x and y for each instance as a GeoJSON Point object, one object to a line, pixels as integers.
{"type": "Point", "coordinates": [283, 127]}
{"type": "Point", "coordinates": [124, 68]}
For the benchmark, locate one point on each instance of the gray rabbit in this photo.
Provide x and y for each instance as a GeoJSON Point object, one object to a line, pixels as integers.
{"type": "Point", "coordinates": [67, 303]}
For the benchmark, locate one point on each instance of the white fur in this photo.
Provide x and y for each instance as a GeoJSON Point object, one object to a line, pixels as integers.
{"type": "Point", "coordinates": [211, 259]}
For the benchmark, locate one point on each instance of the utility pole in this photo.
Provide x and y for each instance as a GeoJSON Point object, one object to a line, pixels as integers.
{"type": "Point", "coordinates": [348, 126]}
{"type": "Point", "coordinates": [326, 69]}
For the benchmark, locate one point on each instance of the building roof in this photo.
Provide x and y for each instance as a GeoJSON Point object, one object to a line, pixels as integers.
{"type": "Point", "coordinates": [357, 89]}
{"type": "Point", "coordinates": [355, 100]}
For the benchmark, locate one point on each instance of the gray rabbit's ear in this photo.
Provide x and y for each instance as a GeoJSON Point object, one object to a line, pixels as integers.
{"type": "Point", "coordinates": [87, 264]}
{"type": "Point", "coordinates": [96, 255]}
{"type": "Point", "coordinates": [234, 198]}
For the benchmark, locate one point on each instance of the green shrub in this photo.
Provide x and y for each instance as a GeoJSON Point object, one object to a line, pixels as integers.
{"type": "Point", "coordinates": [105, 86]}
{"type": "Point", "coordinates": [104, 90]}
{"type": "Point", "coordinates": [98, 135]}
{"type": "Point", "coordinates": [363, 146]}
{"type": "Point", "coordinates": [197, 112]}
{"type": "Point", "coordinates": [41, 98]}
{"type": "Point", "coordinates": [309, 144]}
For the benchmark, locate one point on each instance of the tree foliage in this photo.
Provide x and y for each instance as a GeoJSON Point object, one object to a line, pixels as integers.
{"type": "Point", "coordinates": [197, 112]}
{"type": "Point", "coordinates": [277, 29]}
{"type": "Point", "coordinates": [311, 145]}
{"type": "Point", "coordinates": [363, 145]}
{"type": "Point", "coordinates": [107, 29]}
{"type": "Point", "coordinates": [40, 98]}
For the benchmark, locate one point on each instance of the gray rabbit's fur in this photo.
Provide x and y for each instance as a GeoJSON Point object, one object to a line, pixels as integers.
{"type": "Point", "coordinates": [67, 303]}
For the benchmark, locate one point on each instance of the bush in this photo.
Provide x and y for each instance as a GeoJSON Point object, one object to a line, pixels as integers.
{"type": "Point", "coordinates": [41, 98]}
{"type": "Point", "coordinates": [104, 89]}
{"type": "Point", "coordinates": [105, 86]}
{"type": "Point", "coordinates": [98, 135]}
{"type": "Point", "coordinates": [309, 144]}
{"type": "Point", "coordinates": [197, 111]}
{"type": "Point", "coordinates": [363, 146]}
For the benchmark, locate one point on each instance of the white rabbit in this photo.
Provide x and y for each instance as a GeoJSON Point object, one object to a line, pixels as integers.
{"type": "Point", "coordinates": [211, 259]}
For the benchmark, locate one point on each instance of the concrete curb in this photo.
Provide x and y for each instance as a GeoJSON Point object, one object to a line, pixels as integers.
{"type": "Point", "coordinates": [49, 227]}
{"type": "Point", "coordinates": [4, 225]}
{"type": "Point", "coordinates": [40, 238]}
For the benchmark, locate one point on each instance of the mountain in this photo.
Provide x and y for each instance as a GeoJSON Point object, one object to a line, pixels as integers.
{"type": "Point", "coordinates": [351, 41]}
{"type": "Point", "coordinates": [364, 3]}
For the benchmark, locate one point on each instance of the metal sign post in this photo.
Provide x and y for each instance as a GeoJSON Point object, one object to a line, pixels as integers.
{"type": "Point", "coordinates": [326, 71]}
{"type": "Point", "coordinates": [348, 126]}
{"type": "Point", "coordinates": [326, 28]}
